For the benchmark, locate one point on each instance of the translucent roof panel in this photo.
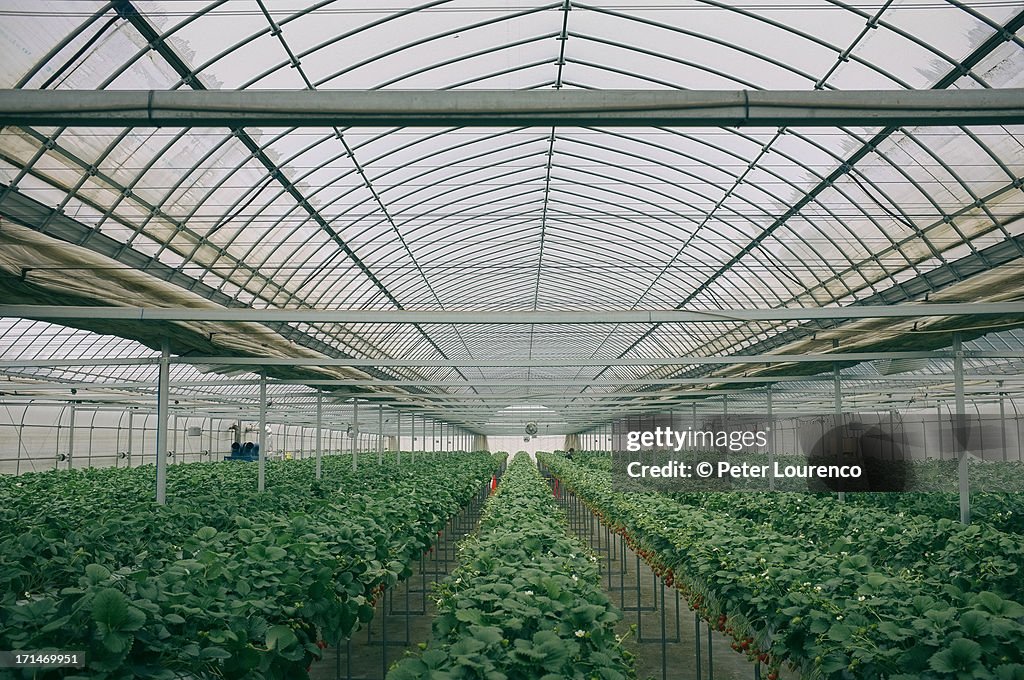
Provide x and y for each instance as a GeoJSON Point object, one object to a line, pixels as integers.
{"type": "Point", "coordinates": [546, 218]}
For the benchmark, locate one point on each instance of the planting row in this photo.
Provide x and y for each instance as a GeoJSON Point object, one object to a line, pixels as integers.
{"type": "Point", "coordinates": [525, 601]}
{"type": "Point", "coordinates": [60, 495]}
{"type": "Point", "coordinates": [1003, 511]}
{"type": "Point", "coordinates": [785, 602]}
{"type": "Point", "coordinates": [1000, 507]}
{"type": "Point", "coordinates": [913, 547]}
{"type": "Point", "coordinates": [220, 582]}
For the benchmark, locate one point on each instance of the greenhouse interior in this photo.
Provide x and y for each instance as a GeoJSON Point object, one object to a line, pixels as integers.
{"type": "Point", "coordinates": [486, 339]}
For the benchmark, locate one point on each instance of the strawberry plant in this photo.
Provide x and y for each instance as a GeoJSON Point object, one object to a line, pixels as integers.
{"type": "Point", "coordinates": [525, 601]}
{"type": "Point", "coordinates": [785, 601]}
{"type": "Point", "coordinates": [229, 584]}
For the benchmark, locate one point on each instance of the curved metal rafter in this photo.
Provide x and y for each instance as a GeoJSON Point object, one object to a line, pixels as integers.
{"type": "Point", "coordinates": [449, 218]}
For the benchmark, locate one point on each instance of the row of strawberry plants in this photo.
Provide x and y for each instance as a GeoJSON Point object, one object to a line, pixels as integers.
{"type": "Point", "coordinates": [525, 601]}
{"type": "Point", "coordinates": [60, 495]}
{"type": "Point", "coordinates": [1000, 510]}
{"type": "Point", "coordinates": [58, 521]}
{"type": "Point", "coordinates": [994, 500]}
{"type": "Point", "coordinates": [228, 585]}
{"type": "Point", "coordinates": [914, 547]}
{"type": "Point", "coordinates": [827, 615]}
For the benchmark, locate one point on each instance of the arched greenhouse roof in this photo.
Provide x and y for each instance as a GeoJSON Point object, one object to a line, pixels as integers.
{"type": "Point", "coordinates": [554, 218]}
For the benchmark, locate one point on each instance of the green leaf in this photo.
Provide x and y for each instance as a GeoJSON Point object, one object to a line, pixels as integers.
{"type": "Point", "coordinates": [465, 647]}
{"type": "Point", "coordinates": [840, 632]}
{"type": "Point", "coordinates": [975, 624]}
{"type": "Point", "coordinates": [96, 573]}
{"type": "Point", "coordinates": [994, 604]}
{"type": "Point", "coordinates": [1010, 671]}
{"type": "Point", "coordinates": [554, 649]}
{"type": "Point", "coordinates": [214, 653]}
{"type": "Point", "coordinates": [206, 533]}
{"type": "Point", "coordinates": [474, 616]}
{"type": "Point", "coordinates": [280, 637]}
{"type": "Point", "coordinates": [434, 658]}
{"type": "Point", "coordinates": [489, 635]}
{"type": "Point", "coordinates": [275, 553]}
{"type": "Point", "coordinates": [110, 609]}
{"type": "Point", "coordinates": [118, 643]}
{"type": "Point", "coordinates": [834, 663]}
{"type": "Point", "coordinates": [961, 656]}
{"type": "Point", "coordinates": [409, 669]}
{"type": "Point", "coordinates": [174, 618]}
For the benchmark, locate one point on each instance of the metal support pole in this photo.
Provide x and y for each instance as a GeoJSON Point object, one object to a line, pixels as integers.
{"type": "Point", "coordinates": [262, 481]}
{"type": "Point", "coordinates": [771, 437]}
{"type": "Point", "coordinates": [960, 434]}
{"type": "Point", "coordinates": [131, 434]}
{"type": "Point", "coordinates": [355, 434]}
{"type": "Point", "coordinates": [398, 417]}
{"type": "Point", "coordinates": [162, 399]}
{"type": "Point", "coordinates": [319, 431]}
{"type": "Point", "coordinates": [21, 440]}
{"type": "Point", "coordinates": [837, 394]}
{"type": "Point", "coordinates": [380, 433]}
{"type": "Point", "coordinates": [71, 436]}
{"type": "Point", "coordinates": [1002, 422]}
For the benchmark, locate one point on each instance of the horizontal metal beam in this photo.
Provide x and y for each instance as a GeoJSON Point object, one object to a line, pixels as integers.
{"type": "Point", "coordinates": [509, 108]}
{"type": "Point", "coordinates": [568, 317]}
{"type": "Point", "coordinates": [826, 379]}
{"type": "Point", "coordinates": [513, 362]}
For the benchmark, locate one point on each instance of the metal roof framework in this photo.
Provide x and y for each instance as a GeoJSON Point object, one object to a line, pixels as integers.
{"type": "Point", "coordinates": [508, 220]}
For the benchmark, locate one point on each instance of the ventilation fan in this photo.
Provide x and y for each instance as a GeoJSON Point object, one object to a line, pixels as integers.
{"type": "Point", "coordinates": [531, 428]}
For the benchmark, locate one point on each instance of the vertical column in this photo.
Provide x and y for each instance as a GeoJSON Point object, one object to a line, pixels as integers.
{"type": "Point", "coordinates": [262, 481]}
{"type": "Point", "coordinates": [960, 429]}
{"type": "Point", "coordinates": [319, 431]}
{"type": "Point", "coordinates": [209, 438]}
{"type": "Point", "coordinates": [131, 434]}
{"type": "Point", "coordinates": [398, 418]}
{"type": "Point", "coordinates": [380, 432]}
{"type": "Point", "coordinates": [21, 439]}
{"type": "Point", "coordinates": [71, 436]}
{"type": "Point", "coordinates": [771, 437]}
{"type": "Point", "coordinates": [837, 395]}
{"type": "Point", "coordinates": [355, 434]}
{"type": "Point", "coordinates": [162, 398]}
{"type": "Point", "coordinates": [1002, 420]}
